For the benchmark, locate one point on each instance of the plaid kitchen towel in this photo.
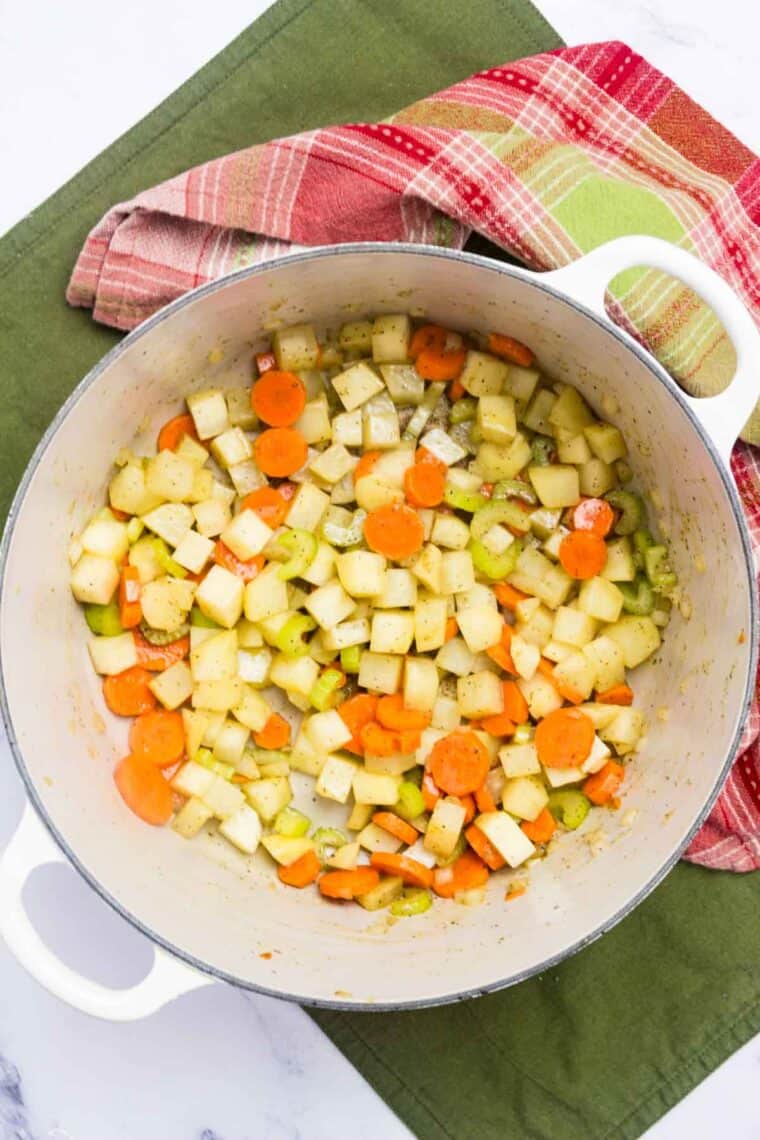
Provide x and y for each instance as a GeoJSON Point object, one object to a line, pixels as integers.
{"type": "Point", "coordinates": [547, 157]}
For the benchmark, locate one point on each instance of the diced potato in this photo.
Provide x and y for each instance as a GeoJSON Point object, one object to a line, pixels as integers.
{"type": "Point", "coordinates": [380, 427]}
{"type": "Point", "coordinates": [525, 657]}
{"type": "Point", "coordinates": [357, 384]}
{"type": "Point", "coordinates": [222, 492]}
{"type": "Point", "coordinates": [191, 817]}
{"type": "Point", "coordinates": [110, 655]}
{"type": "Point", "coordinates": [394, 765]}
{"type": "Point", "coordinates": [94, 579]}
{"type": "Point", "coordinates": [480, 626]}
{"type": "Point", "coordinates": [375, 788]}
{"type": "Point", "coordinates": [380, 672]}
{"type": "Point", "coordinates": [211, 517]}
{"type": "Point", "coordinates": [265, 595]}
{"type": "Point", "coordinates": [243, 829]}
{"type": "Point", "coordinates": [526, 797]}
{"type": "Point", "coordinates": [606, 659]}
{"type": "Point", "coordinates": [296, 348]}
{"type": "Point", "coordinates": [127, 491]}
{"type": "Point", "coordinates": [536, 415]}
{"type": "Point", "coordinates": [345, 858]}
{"type": "Point", "coordinates": [497, 539]}
{"type": "Point", "coordinates": [496, 461]}
{"type": "Point", "coordinates": [430, 616]}
{"type": "Point", "coordinates": [327, 731]}
{"type": "Point", "coordinates": [574, 627]}
{"type": "Point", "coordinates": [362, 572]}
{"type": "Point", "coordinates": [399, 590]}
{"type": "Point", "coordinates": [442, 446]}
{"type": "Point", "coordinates": [391, 334]}
{"type": "Point", "coordinates": [307, 508]}
{"type": "Point", "coordinates": [218, 696]}
{"type": "Point", "coordinates": [250, 708]}
{"type": "Point", "coordinates": [170, 521]}
{"type": "Point", "coordinates": [575, 676]}
{"type": "Point", "coordinates": [166, 602]}
{"type": "Point", "coordinates": [556, 485]}
{"type": "Point", "coordinates": [215, 658]}
{"type": "Point", "coordinates": [246, 477]}
{"type": "Point", "coordinates": [496, 419]}
{"type": "Point", "coordinates": [477, 595]}
{"type": "Point", "coordinates": [189, 448]}
{"type": "Point", "coordinates": [521, 383]}
{"type": "Point", "coordinates": [625, 731]}
{"type": "Point", "coordinates": [106, 538]}
{"type": "Point", "coordinates": [597, 757]}
{"type": "Point", "coordinates": [209, 411]}
{"type": "Point", "coordinates": [392, 631]}
{"type": "Point", "coordinates": [444, 827]}
{"type": "Point", "coordinates": [356, 336]}
{"type": "Point", "coordinates": [537, 628]}
{"type": "Point", "coordinates": [214, 724]}
{"type": "Point", "coordinates": [144, 557]}
{"type": "Point", "coordinates": [220, 596]}
{"type": "Point", "coordinates": [269, 796]}
{"type": "Point", "coordinates": [223, 798]}
{"type": "Point", "coordinates": [247, 535]}
{"type": "Point", "coordinates": [347, 429]}
{"type": "Point", "coordinates": [600, 715]}
{"type": "Point", "coordinates": [480, 694]}
{"type": "Point", "coordinates": [445, 714]}
{"type": "Point", "coordinates": [359, 817]}
{"type": "Point", "coordinates": [457, 572]}
{"type": "Point", "coordinates": [450, 531]}
{"type": "Point", "coordinates": [389, 888]}
{"type": "Point", "coordinates": [519, 760]}
{"type": "Point", "coordinates": [596, 478]}
{"type": "Point", "coordinates": [404, 383]}
{"type": "Point", "coordinates": [296, 675]}
{"type": "Point", "coordinates": [454, 657]}
{"type": "Point", "coordinates": [346, 634]}
{"type": "Point", "coordinates": [557, 650]}
{"type": "Point", "coordinates": [636, 637]}
{"type": "Point", "coordinates": [619, 566]}
{"type": "Point", "coordinates": [541, 696]}
{"type": "Point", "coordinates": [285, 849]}
{"type": "Point", "coordinates": [194, 551]}
{"type": "Point", "coordinates": [606, 442]}
{"type": "Point", "coordinates": [336, 779]}
{"type": "Point", "coordinates": [203, 486]}
{"type": "Point", "coordinates": [483, 374]}
{"type": "Point", "coordinates": [572, 448]}
{"type": "Point", "coordinates": [314, 424]}
{"type": "Point", "coordinates": [506, 836]}
{"type": "Point", "coordinates": [371, 493]}
{"type": "Point", "coordinates": [231, 742]}
{"type": "Point", "coordinates": [195, 724]}
{"type": "Point", "coordinates": [328, 604]}
{"type": "Point", "coordinates": [239, 409]}
{"type": "Point", "coordinates": [600, 599]}
{"type": "Point", "coordinates": [254, 666]}
{"type": "Point", "coordinates": [303, 757]}
{"type": "Point", "coordinates": [420, 683]}
{"type": "Point", "coordinates": [332, 464]}
{"type": "Point", "coordinates": [174, 686]}
{"type": "Point", "coordinates": [193, 779]}
{"type": "Point", "coordinates": [570, 411]}
{"type": "Point", "coordinates": [535, 574]}
{"type": "Point", "coordinates": [231, 447]}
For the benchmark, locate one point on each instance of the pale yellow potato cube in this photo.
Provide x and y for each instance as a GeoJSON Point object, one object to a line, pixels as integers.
{"type": "Point", "coordinates": [480, 626]}
{"type": "Point", "coordinates": [94, 580]}
{"type": "Point", "coordinates": [266, 595]}
{"type": "Point", "coordinates": [380, 672]}
{"type": "Point", "coordinates": [327, 731]}
{"type": "Point", "coordinates": [480, 694]}
{"type": "Point", "coordinates": [329, 604]}
{"type": "Point", "coordinates": [174, 686]}
{"type": "Point", "coordinates": [247, 535]}
{"type": "Point", "coordinates": [209, 411]}
{"type": "Point", "coordinates": [420, 683]}
{"type": "Point", "coordinates": [336, 779]}
{"type": "Point", "coordinates": [220, 596]}
{"type": "Point", "coordinates": [362, 572]}
{"type": "Point", "coordinates": [457, 572]}
{"type": "Point", "coordinates": [194, 551]}
{"type": "Point", "coordinates": [525, 796]}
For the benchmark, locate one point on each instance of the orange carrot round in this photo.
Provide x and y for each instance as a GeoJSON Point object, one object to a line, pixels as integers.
{"type": "Point", "coordinates": [170, 435]}
{"type": "Point", "coordinates": [365, 464]}
{"type": "Point", "coordinates": [144, 790]}
{"type": "Point", "coordinates": [414, 873]}
{"type": "Point", "coordinates": [159, 657]}
{"type": "Point", "coordinates": [355, 713]}
{"type": "Point", "coordinates": [564, 738]}
{"type": "Point", "coordinates": [459, 763]}
{"type": "Point", "coordinates": [484, 848]}
{"type": "Point", "coordinates": [602, 786]}
{"type": "Point", "coordinates": [394, 530]}
{"type": "Point", "coordinates": [541, 829]}
{"type": "Point", "coordinates": [484, 801]}
{"type": "Point", "coordinates": [301, 872]}
{"type": "Point", "coordinates": [274, 734]}
{"type": "Point", "coordinates": [424, 485]}
{"type": "Point", "coordinates": [158, 736]}
{"type": "Point", "coordinates": [392, 713]}
{"type": "Point", "coordinates": [249, 570]}
{"type": "Point", "coordinates": [348, 884]}
{"type": "Point", "coordinates": [425, 337]}
{"type": "Point", "coordinates": [464, 874]}
{"type": "Point", "coordinates": [396, 826]}
{"type": "Point", "coordinates": [280, 451]}
{"type": "Point", "coordinates": [583, 554]}
{"type": "Point", "coordinates": [511, 349]}
{"type": "Point", "coordinates": [498, 725]}
{"type": "Point", "coordinates": [127, 693]}
{"type": "Point", "coordinates": [268, 503]}
{"type": "Point", "coordinates": [594, 515]}
{"type": "Point", "coordinates": [618, 695]}
{"type": "Point", "coordinates": [445, 364]}
{"type": "Point", "coordinates": [278, 398]}
{"type": "Point", "coordinates": [378, 741]}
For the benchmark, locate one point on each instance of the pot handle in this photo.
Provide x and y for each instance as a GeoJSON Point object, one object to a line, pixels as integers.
{"type": "Point", "coordinates": [722, 416]}
{"type": "Point", "coordinates": [31, 847]}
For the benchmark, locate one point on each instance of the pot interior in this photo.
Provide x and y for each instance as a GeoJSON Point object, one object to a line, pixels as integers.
{"type": "Point", "coordinates": [226, 911]}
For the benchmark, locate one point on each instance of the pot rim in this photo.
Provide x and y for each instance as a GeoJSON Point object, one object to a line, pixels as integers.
{"type": "Point", "coordinates": [483, 263]}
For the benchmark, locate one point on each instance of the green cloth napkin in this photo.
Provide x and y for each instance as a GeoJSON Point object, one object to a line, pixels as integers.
{"type": "Point", "coordinates": [601, 1046]}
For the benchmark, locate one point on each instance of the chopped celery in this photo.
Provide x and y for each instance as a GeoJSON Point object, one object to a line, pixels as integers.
{"type": "Point", "coordinates": [326, 693]}
{"type": "Point", "coordinates": [505, 512]}
{"type": "Point", "coordinates": [327, 840]}
{"type": "Point", "coordinates": [415, 900]}
{"type": "Point", "coordinates": [469, 501]}
{"type": "Point", "coordinates": [163, 636]}
{"type": "Point", "coordinates": [569, 806]}
{"type": "Point", "coordinates": [543, 449]}
{"type": "Point", "coordinates": [205, 757]}
{"type": "Point", "coordinates": [291, 823]}
{"type": "Point", "coordinates": [339, 534]}
{"type": "Point", "coordinates": [165, 560]}
{"type": "Point", "coordinates": [514, 489]}
{"type": "Point", "coordinates": [642, 540]}
{"type": "Point", "coordinates": [290, 639]}
{"type": "Point", "coordinates": [463, 409]}
{"type": "Point", "coordinates": [494, 566]}
{"type": "Point", "coordinates": [350, 659]}
{"type": "Point", "coordinates": [476, 435]}
{"type": "Point", "coordinates": [302, 548]}
{"type": "Point", "coordinates": [199, 619]}
{"type": "Point", "coordinates": [103, 620]}
{"type": "Point", "coordinates": [638, 597]}
{"type": "Point", "coordinates": [410, 800]}
{"type": "Point", "coordinates": [523, 734]}
{"type": "Point", "coordinates": [631, 509]}
{"type": "Point", "coordinates": [658, 568]}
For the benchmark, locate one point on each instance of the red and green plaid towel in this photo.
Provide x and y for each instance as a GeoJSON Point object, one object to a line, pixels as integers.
{"type": "Point", "coordinates": [548, 158]}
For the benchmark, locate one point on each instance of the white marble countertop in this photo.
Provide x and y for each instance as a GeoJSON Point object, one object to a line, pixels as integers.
{"type": "Point", "coordinates": [220, 1064]}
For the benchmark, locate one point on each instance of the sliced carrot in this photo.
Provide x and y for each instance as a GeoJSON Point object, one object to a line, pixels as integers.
{"type": "Point", "coordinates": [468, 803]}
{"type": "Point", "coordinates": [249, 570]}
{"type": "Point", "coordinates": [173, 431]}
{"type": "Point", "coordinates": [268, 503]}
{"type": "Point", "coordinates": [422, 455]}
{"type": "Point", "coordinates": [144, 790]}
{"type": "Point", "coordinates": [158, 736]}
{"type": "Point", "coordinates": [396, 826]}
{"type": "Point", "coordinates": [130, 610]}
{"type": "Point", "coordinates": [393, 714]}
{"type": "Point", "coordinates": [618, 695]}
{"type": "Point", "coordinates": [414, 873]}
{"type": "Point", "coordinates": [274, 734]}
{"type": "Point", "coordinates": [355, 713]}
{"type": "Point", "coordinates": [594, 515]}
{"type": "Point", "coordinates": [366, 464]}
{"type": "Point", "coordinates": [484, 848]}
{"type": "Point", "coordinates": [278, 398]}
{"type": "Point", "coordinates": [602, 786]}
{"type": "Point", "coordinates": [280, 451]}
{"type": "Point", "coordinates": [484, 801]}
{"type": "Point", "coordinates": [546, 669]}
{"type": "Point", "coordinates": [159, 657]}
{"type": "Point", "coordinates": [127, 693]}
{"type": "Point", "coordinates": [409, 740]}
{"type": "Point", "coordinates": [264, 362]}
{"type": "Point", "coordinates": [424, 485]}
{"type": "Point", "coordinates": [541, 829]}
{"type": "Point", "coordinates": [348, 884]}
{"type": "Point", "coordinates": [564, 738]}
{"type": "Point", "coordinates": [498, 725]}
{"type": "Point", "coordinates": [508, 596]}
{"type": "Point", "coordinates": [515, 704]}
{"type": "Point", "coordinates": [430, 791]}
{"type": "Point", "coordinates": [583, 554]}
{"type": "Point", "coordinates": [459, 762]}
{"type": "Point", "coordinates": [427, 336]}
{"type": "Point", "coordinates": [452, 628]}
{"type": "Point", "coordinates": [301, 872]}
{"type": "Point", "coordinates": [394, 530]}
{"type": "Point", "coordinates": [378, 741]}
{"type": "Point", "coordinates": [441, 364]}
{"type": "Point", "coordinates": [464, 874]}
{"type": "Point", "coordinates": [511, 349]}
{"type": "Point", "coordinates": [500, 653]}
{"type": "Point", "coordinates": [456, 390]}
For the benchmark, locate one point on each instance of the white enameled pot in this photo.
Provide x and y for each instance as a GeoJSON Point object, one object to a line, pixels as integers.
{"type": "Point", "coordinates": [215, 915]}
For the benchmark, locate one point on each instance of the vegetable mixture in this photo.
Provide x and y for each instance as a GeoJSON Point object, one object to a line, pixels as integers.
{"type": "Point", "coordinates": [420, 547]}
